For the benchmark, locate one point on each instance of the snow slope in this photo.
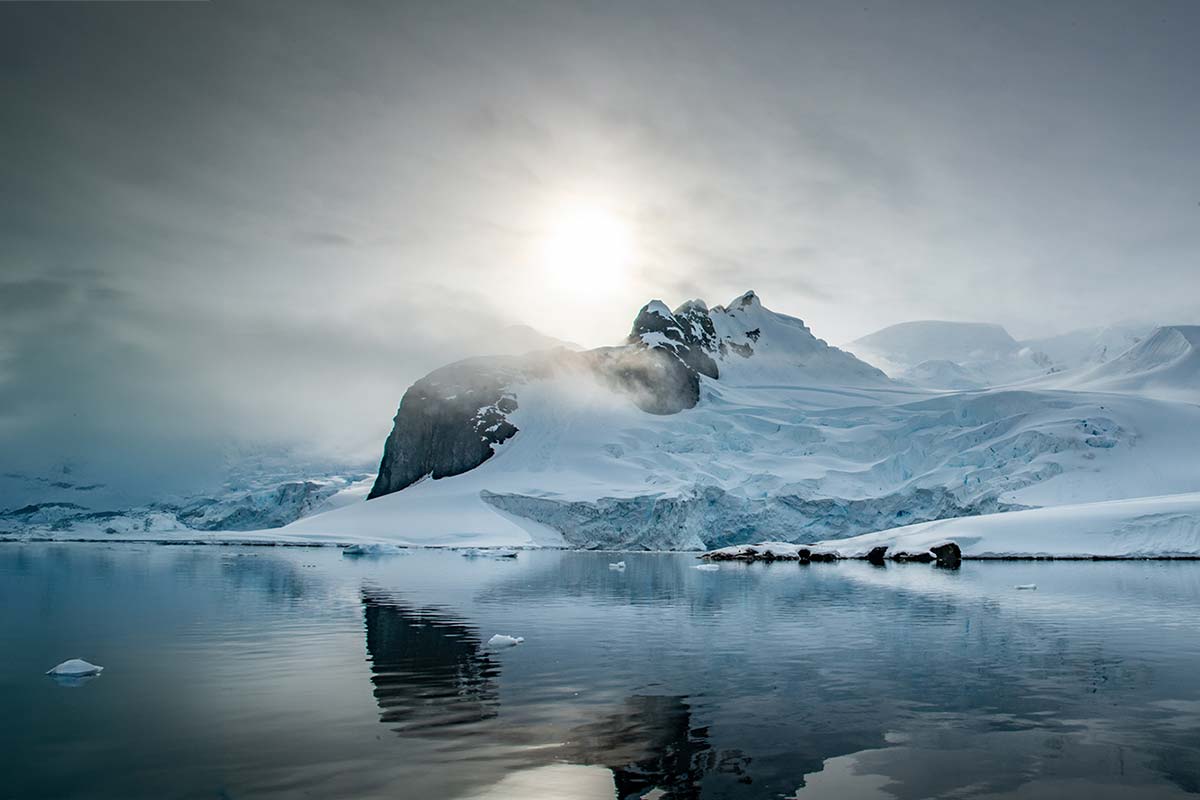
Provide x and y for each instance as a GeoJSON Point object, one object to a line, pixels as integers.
{"type": "Point", "coordinates": [1165, 526]}
{"type": "Point", "coordinates": [1090, 346]}
{"type": "Point", "coordinates": [1165, 364]}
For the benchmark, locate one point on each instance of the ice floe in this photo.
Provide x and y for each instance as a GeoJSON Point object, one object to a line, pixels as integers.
{"type": "Point", "coordinates": [501, 640]}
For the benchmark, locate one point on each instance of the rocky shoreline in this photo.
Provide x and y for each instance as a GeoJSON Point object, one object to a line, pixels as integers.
{"type": "Point", "coordinates": [947, 555]}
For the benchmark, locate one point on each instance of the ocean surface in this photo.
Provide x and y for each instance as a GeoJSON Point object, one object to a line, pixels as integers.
{"type": "Point", "coordinates": [263, 672]}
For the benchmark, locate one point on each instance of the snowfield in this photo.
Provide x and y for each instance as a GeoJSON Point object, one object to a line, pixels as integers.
{"type": "Point", "coordinates": [1143, 527]}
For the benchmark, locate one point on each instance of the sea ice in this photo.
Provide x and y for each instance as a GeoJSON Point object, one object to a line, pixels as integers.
{"type": "Point", "coordinates": [620, 565]}
{"type": "Point", "coordinates": [706, 567]}
{"type": "Point", "coordinates": [75, 668]}
{"type": "Point", "coordinates": [503, 640]}
{"type": "Point", "coordinates": [475, 552]}
{"type": "Point", "coordinates": [373, 550]}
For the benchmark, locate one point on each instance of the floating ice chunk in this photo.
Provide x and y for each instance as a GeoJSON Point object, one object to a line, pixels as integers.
{"type": "Point", "coordinates": [706, 567]}
{"type": "Point", "coordinates": [74, 668]}
{"type": "Point", "coordinates": [475, 552]}
{"type": "Point", "coordinates": [1030, 586]}
{"type": "Point", "coordinates": [373, 550]}
{"type": "Point", "coordinates": [618, 566]}
{"type": "Point", "coordinates": [503, 640]}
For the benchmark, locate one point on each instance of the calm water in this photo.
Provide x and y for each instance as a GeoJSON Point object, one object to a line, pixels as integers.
{"type": "Point", "coordinates": [270, 672]}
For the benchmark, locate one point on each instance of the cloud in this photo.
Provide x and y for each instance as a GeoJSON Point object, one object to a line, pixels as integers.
{"type": "Point", "coordinates": [263, 221]}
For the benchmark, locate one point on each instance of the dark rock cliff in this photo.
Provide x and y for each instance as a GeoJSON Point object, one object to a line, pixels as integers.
{"type": "Point", "coordinates": [449, 421]}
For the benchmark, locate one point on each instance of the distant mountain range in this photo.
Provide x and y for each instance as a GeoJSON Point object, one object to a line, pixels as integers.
{"type": "Point", "coordinates": [972, 355]}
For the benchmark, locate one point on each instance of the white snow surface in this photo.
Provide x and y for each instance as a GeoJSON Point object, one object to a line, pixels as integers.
{"type": "Point", "coordinates": [1143, 527]}
{"type": "Point", "coordinates": [1166, 364]}
{"type": "Point", "coordinates": [870, 452]}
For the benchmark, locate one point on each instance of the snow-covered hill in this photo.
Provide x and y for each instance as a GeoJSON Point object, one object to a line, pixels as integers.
{"type": "Point", "coordinates": [1166, 363]}
{"type": "Point", "coordinates": [787, 439]}
{"type": "Point", "coordinates": [969, 355]}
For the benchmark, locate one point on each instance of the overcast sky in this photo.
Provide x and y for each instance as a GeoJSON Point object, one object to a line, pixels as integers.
{"type": "Point", "coordinates": [261, 222]}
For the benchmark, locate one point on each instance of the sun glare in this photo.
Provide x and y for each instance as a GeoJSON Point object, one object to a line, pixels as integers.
{"type": "Point", "coordinates": [587, 250]}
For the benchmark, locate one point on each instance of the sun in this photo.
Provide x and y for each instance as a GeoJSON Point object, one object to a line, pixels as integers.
{"type": "Point", "coordinates": [587, 250]}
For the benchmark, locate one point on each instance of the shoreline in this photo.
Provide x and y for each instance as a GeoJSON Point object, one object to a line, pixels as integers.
{"type": "Point", "coordinates": [702, 555]}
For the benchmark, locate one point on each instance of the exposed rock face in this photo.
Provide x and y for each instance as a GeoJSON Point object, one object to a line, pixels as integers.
{"type": "Point", "coordinates": [688, 334]}
{"type": "Point", "coordinates": [449, 421]}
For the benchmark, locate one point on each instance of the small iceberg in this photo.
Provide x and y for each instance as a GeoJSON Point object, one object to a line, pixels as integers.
{"type": "Point", "coordinates": [74, 668]}
{"type": "Point", "coordinates": [373, 550]}
{"type": "Point", "coordinates": [620, 565]}
{"type": "Point", "coordinates": [1029, 586]}
{"type": "Point", "coordinates": [476, 552]}
{"type": "Point", "coordinates": [501, 640]}
{"type": "Point", "coordinates": [706, 567]}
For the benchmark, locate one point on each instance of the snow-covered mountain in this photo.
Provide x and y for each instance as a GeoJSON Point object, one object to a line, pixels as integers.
{"type": "Point", "coordinates": [255, 496]}
{"type": "Point", "coordinates": [725, 425]}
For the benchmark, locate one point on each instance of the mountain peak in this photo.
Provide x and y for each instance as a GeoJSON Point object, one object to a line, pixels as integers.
{"type": "Point", "coordinates": [747, 300]}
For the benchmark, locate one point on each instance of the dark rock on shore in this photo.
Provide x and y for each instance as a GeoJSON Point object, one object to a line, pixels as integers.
{"type": "Point", "coordinates": [919, 558]}
{"type": "Point", "coordinates": [948, 555]}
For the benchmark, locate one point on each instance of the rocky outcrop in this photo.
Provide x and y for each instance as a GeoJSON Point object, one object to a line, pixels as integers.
{"type": "Point", "coordinates": [947, 555]}
{"type": "Point", "coordinates": [450, 421]}
{"type": "Point", "coordinates": [688, 334]}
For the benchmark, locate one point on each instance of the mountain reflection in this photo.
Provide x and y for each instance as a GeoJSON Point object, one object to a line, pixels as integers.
{"type": "Point", "coordinates": [433, 677]}
{"type": "Point", "coordinates": [648, 744]}
{"type": "Point", "coordinates": [429, 671]}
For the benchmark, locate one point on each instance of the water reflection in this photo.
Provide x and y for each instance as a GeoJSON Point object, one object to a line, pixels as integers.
{"type": "Point", "coordinates": [433, 677]}
{"type": "Point", "coordinates": [429, 671]}
{"type": "Point", "coordinates": [648, 743]}
{"type": "Point", "coordinates": [243, 671]}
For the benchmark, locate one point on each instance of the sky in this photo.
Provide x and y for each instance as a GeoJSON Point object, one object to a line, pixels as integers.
{"type": "Point", "coordinates": [255, 224]}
